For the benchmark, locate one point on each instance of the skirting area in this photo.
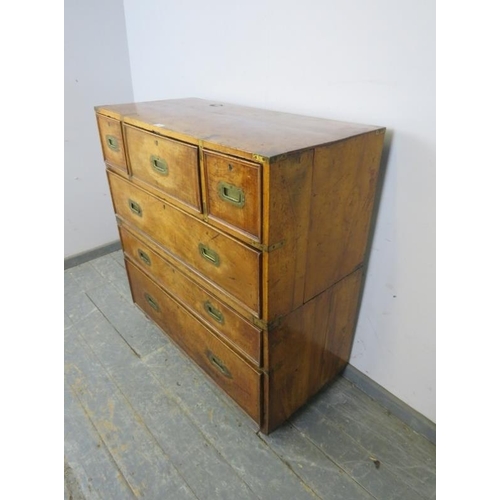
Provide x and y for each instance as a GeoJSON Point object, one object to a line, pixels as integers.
{"type": "Point", "coordinates": [143, 422]}
{"type": "Point", "coordinates": [83, 257]}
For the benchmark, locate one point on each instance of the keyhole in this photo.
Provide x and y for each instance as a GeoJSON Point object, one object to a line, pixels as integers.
{"type": "Point", "coordinates": [156, 142]}
{"type": "Point", "coordinates": [230, 167]}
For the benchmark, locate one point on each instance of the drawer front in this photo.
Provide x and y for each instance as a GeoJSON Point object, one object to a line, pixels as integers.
{"type": "Point", "coordinates": [234, 193]}
{"type": "Point", "coordinates": [166, 164]}
{"type": "Point", "coordinates": [230, 372]}
{"type": "Point", "coordinates": [230, 264]}
{"type": "Point", "coordinates": [204, 305]}
{"type": "Point", "coordinates": [110, 132]}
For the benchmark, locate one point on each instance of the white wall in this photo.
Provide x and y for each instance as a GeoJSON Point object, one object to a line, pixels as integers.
{"type": "Point", "coordinates": [357, 60]}
{"type": "Point", "coordinates": [97, 71]}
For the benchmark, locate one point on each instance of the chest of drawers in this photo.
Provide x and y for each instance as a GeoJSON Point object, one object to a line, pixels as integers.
{"type": "Point", "coordinates": [245, 235]}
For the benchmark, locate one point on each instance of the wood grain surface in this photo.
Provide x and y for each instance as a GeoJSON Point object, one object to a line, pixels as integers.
{"type": "Point", "coordinates": [344, 181]}
{"type": "Point", "coordinates": [243, 182]}
{"type": "Point", "coordinates": [230, 372]}
{"type": "Point", "coordinates": [241, 128]}
{"type": "Point", "coordinates": [255, 223]}
{"type": "Point", "coordinates": [179, 180]}
{"type": "Point", "coordinates": [114, 152]}
{"type": "Point", "coordinates": [208, 308]}
{"type": "Point", "coordinates": [310, 347]}
{"type": "Point", "coordinates": [238, 268]}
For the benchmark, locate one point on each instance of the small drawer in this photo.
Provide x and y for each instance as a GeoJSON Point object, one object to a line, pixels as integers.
{"type": "Point", "coordinates": [229, 371]}
{"type": "Point", "coordinates": [167, 165]}
{"type": "Point", "coordinates": [110, 132]}
{"type": "Point", "coordinates": [234, 193]}
{"type": "Point", "coordinates": [203, 304]}
{"type": "Point", "coordinates": [216, 257]}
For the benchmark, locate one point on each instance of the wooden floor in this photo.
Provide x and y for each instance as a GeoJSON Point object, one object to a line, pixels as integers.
{"type": "Point", "coordinates": [142, 422]}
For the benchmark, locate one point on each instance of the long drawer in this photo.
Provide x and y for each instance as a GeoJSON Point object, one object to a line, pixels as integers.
{"type": "Point", "coordinates": [228, 370]}
{"type": "Point", "coordinates": [203, 304]}
{"type": "Point", "coordinates": [222, 259]}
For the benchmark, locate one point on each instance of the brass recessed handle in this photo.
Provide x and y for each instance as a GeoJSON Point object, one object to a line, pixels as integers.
{"type": "Point", "coordinates": [218, 364]}
{"type": "Point", "coordinates": [209, 254]}
{"type": "Point", "coordinates": [213, 312]}
{"type": "Point", "coordinates": [144, 257]}
{"type": "Point", "coordinates": [152, 302]}
{"type": "Point", "coordinates": [135, 207]}
{"type": "Point", "coordinates": [112, 143]}
{"type": "Point", "coordinates": [232, 194]}
{"type": "Point", "coordinates": [159, 165]}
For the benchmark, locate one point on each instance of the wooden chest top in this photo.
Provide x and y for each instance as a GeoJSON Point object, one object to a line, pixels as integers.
{"type": "Point", "coordinates": [258, 131]}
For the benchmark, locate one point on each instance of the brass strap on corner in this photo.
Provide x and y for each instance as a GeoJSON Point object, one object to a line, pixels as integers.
{"type": "Point", "coordinates": [258, 158]}
{"type": "Point", "coordinates": [267, 326]}
{"type": "Point", "coordinates": [268, 248]}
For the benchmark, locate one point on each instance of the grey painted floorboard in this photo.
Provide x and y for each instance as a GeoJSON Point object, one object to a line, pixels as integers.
{"type": "Point", "coordinates": [368, 428]}
{"type": "Point", "coordinates": [77, 306]}
{"type": "Point", "coordinates": [252, 459]}
{"type": "Point", "coordinates": [142, 462]}
{"type": "Point", "coordinates": [87, 456]}
{"type": "Point", "coordinates": [118, 256]}
{"type": "Point", "coordinates": [169, 432]}
{"type": "Point", "coordinates": [67, 321]}
{"type": "Point", "coordinates": [352, 457]}
{"type": "Point", "coordinates": [86, 276]}
{"type": "Point", "coordinates": [74, 477]}
{"type": "Point", "coordinates": [70, 285]}
{"type": "Point", "coordinates": [313, 466]}
{"type": "Point", "coordinates": [176, 372]}
{"type": "Point", "coordinates": [368, 432]}
{"type": "Point", "coordinates": [141, 334]}
{"type": "Point", "coordinates": [206, 471]}
{"type": "Point", "coordinates": [123, 287]}
{"type": "Point", "coordinates": [109, 269]}
{"type": "Point", "coordinates": [364, 407]}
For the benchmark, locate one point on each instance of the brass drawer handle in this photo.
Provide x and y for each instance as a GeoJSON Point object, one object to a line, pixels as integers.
{"type": "Point", "coordinates": [112, 143]}
{"type": "Point", "coordinates": [159, 165]}
{"type": "Point", "coordinates": [152, 302]}
{"type": "Point", "coordinates": [218, 364]}
{"type": "Point", "coordinates": [209, 254]}
{"type": "Point", "coordinates": [213, 312]}
{"type": "Point", "coordinates": [135, 207]}
{"type": "Point", "coordinates": [231, 194]}
{"type": "Point", "coordinates": [144, 257]}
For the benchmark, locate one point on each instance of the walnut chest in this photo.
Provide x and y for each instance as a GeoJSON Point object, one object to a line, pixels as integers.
{"type": "Point", "coordinates": [245, 235]}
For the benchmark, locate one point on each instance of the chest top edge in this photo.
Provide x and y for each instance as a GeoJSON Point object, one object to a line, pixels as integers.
{"type": "Point", "coordinates": [262, 132]}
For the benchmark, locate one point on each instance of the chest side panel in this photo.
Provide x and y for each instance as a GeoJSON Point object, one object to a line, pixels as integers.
{"type": "Point", "coordinates": [288, 193]}
{"type": "Point", "coordinates": [344, 180]}
{"type": "Point", "coordinates": [310, 347]}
